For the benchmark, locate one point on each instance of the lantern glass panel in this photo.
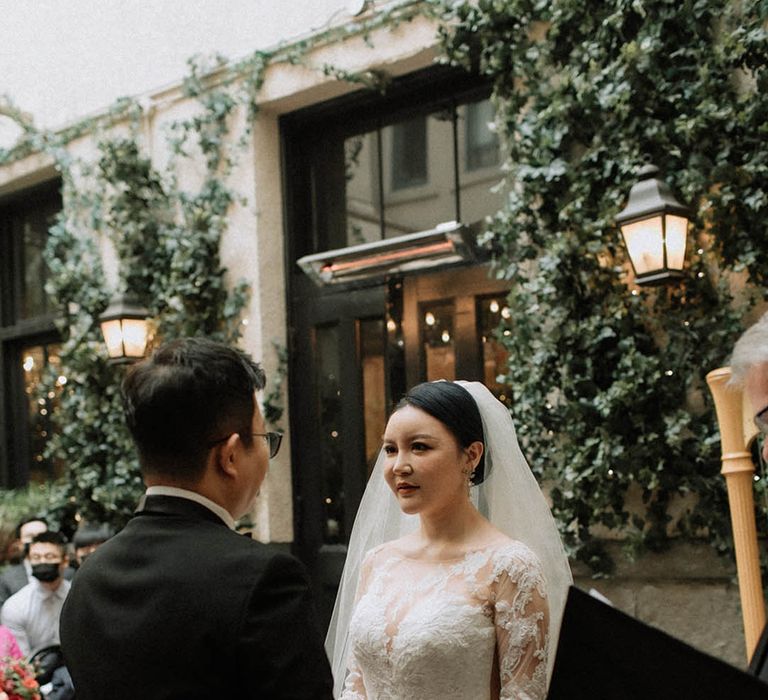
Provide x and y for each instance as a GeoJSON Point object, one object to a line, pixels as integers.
{"type": "Point", "coordinates": [113, 337]}
{"type": "Point", "coordinates": [676, 233]}
{"type": "Point", "coordinates": [134, 337]}
{"type": "Point", "coordinates": [644, 242]}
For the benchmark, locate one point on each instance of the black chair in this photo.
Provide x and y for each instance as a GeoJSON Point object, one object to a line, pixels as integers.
{"type": "Point", "coordinates": [604, 654]}
{"type": "Point", "coordinates": [46, 661]}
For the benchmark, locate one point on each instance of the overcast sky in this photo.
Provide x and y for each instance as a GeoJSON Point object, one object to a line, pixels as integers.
{"type": "Point", "coordinates": [64, 59]}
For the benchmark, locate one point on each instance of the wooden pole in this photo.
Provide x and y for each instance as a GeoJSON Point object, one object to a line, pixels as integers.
{"type": "Point", "coordinates": [739, 471]}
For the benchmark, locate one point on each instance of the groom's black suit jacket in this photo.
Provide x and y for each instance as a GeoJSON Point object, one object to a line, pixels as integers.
{"type": "Point", "coordinates": [178, 607]}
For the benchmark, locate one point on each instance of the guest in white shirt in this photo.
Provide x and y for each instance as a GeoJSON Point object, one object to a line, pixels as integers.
{"type": "Point", "coordinates": [32, 614]}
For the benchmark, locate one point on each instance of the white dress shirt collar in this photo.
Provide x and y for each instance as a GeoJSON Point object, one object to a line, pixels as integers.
{"type": "Point", "coordinates": [44, 592]}
{"type": "Point", "coordinates": [193, 496]}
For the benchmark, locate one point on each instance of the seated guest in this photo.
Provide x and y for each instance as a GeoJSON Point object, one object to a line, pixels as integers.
{"type": "Point", "coordinates": [32, 614]}
{"type": "Point", "coordinates": [61, 687]}
{"type": "Point", "coordinates": [16, 576]}
{"type": "Point", "coordinates": [88, 537]}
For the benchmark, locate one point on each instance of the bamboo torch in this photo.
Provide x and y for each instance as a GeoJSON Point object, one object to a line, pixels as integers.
{"type": "Point", "coordinates": [736, 434]}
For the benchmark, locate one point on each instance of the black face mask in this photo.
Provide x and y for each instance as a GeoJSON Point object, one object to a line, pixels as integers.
{"type": "Point", "coordinates": [47, 573]}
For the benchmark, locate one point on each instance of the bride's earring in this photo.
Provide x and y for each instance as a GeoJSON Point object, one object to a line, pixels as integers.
{"type": "Point", "coordinates": [469, 473]}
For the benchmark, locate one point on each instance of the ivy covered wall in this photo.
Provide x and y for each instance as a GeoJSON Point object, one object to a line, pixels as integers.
{"type": "Point", "coordinates": [608, 378]}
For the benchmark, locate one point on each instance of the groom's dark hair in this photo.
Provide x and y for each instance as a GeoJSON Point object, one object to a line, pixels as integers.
{"type": "Point", "coordinates": [188, 395]}
{"type": "Point", "coordinates": [455, 408]}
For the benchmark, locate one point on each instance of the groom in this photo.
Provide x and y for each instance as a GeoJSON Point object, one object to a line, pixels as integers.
{"type": "Point", "coordinates": [177, 605]}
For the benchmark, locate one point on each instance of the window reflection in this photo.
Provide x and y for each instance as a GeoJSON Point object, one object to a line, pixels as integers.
{"type": "Point", "coordinates": [419, 169]}
{"type": "Point", "coordinates": [481, 185]}
{"type": "Point", "coordinates": [403, 177]}
{"type": "Point", "coordinates": [438, 341]}
{"type": "Point", "coordinates": [363, 188]}
{"type": "Point", "coordinates": [481, 144]}
{"type": "Point", "coordinates": [409, 153]}
{"type": "Point", "coordinates": [329, 412]}
{"type": "Point", "coordinates": [38, 363]}
{"type": "Point", "coordinates": [491, 312]}
{"type": "Point", "coordinates": [34, 234]}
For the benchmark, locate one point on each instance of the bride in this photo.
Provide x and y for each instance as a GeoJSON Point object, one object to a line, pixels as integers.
{"type": "Point", "coordinates": [454, 587]}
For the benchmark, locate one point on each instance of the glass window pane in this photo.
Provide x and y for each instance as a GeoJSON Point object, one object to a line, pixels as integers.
{"type": "Point", "coordinates": [437, 341]}
{"type": "Point", "coordinates": [34, 233]}
{"type": "Point", "coordinates": [481, 184]}
{"type": "Point", "coordinates": [36, 361]}
{"type": "Point", "coordinates": [363, 188]}
{"type": "Point", "coordinates": [645, 244]}
{"type": "Point", "coordinates": [491, 311]}
{"type": "Point", "coordinates": [329, 412]}
{"type": "Point", "coordinates": [675, 233]}
{"type": "Point", "coordinates": [409, 153]}
{"type": "Point", "coordinates": [372, 355]}
{"type": "Point", "coordinates": [481, 143]}
{"type": "Point", "coordinates": [418, 169]}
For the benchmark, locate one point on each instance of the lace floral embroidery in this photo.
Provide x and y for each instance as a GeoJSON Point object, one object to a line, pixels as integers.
{"type": "Point", "coordinates": [431, 630]}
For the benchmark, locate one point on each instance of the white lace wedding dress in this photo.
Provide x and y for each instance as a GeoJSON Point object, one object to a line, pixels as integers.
{"type": "Point", "coordinates": [444, 630]}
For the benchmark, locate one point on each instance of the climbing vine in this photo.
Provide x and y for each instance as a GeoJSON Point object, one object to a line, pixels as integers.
{"type": "Point", "coordinates": [608, 378]}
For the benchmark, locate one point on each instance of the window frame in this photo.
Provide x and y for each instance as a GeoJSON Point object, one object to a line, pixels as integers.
{"type": "Point", "coordinates": [307, 227]}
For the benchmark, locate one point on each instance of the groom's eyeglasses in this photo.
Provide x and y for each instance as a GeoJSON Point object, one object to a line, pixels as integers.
{"type": "Point", "coordinates": [273, 440]}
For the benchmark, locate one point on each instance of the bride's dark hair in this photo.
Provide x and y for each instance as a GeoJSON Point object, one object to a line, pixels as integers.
{"type": "Point", "coordinates": [455, 408]}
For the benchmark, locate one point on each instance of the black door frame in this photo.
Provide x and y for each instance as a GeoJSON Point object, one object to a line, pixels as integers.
{"type": "Point", "coordinates": [344, 310]}
{"type": "Point", "coordinates": [309, 306]}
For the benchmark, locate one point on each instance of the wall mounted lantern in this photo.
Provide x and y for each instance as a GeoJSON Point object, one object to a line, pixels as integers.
{"type": "Point", "coordinates": [125, 327]}
{"type": "Point", "coordinates": [655, 228]}
{"type": "Point", "coordinates": [446, 244]}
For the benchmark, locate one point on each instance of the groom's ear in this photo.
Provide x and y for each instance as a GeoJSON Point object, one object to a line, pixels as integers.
{"type": "Point", "coordinates": [226, 455]}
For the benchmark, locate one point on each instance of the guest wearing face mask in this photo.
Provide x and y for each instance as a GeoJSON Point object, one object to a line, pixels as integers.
{"type": "Point", "coordinates": [18, 575]}
{"type": "Point", "coordinates": [32, 614]}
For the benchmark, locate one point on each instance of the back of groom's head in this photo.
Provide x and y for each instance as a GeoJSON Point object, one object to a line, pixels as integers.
{"type": "Point", "coordinates": [189, 394]}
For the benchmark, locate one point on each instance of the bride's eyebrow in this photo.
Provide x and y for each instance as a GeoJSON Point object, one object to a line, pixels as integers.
{"type": "Point", "coordinates": [418, 436]}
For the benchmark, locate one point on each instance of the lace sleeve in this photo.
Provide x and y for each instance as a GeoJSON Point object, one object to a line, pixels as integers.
{"type": "Point", "coordinates": [521, 618]}
{"type": "Point", "coordinates": [353, 684]}
{"type": "Point", "coordinates": [354, 688]}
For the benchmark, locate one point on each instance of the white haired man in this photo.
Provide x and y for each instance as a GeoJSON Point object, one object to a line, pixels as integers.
{"type": "Point", "coordinates": [749, 370]}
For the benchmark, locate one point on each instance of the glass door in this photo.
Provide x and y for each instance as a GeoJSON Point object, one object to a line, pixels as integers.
{"type": "Point", "coordinates": [449, 327]}
{"type": "Point", "coordinates": [343, 377]}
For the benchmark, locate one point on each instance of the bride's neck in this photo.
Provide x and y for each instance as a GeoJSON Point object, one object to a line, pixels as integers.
{"type": "Point", "coordinates": [452, 527]}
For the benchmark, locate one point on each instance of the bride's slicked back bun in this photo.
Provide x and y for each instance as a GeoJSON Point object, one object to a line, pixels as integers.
{"type": "Point", "coordinates": [455, 408]}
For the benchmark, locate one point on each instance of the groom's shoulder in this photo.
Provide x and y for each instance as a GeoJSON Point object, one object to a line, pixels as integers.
{"type": "Point", "coordinates": [261, 554]}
